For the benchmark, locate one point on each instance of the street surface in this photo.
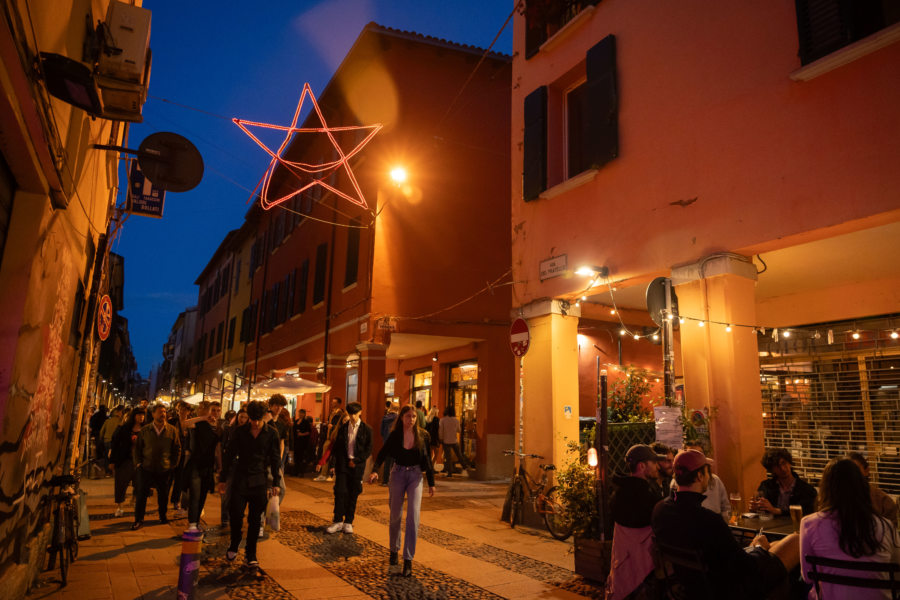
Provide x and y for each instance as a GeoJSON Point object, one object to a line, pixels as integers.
{"type": "Point", "coordinates": [463, 552]}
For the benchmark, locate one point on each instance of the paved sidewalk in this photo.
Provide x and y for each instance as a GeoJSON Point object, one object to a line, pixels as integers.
{"type": "Point", "coordinates": [463, 551]}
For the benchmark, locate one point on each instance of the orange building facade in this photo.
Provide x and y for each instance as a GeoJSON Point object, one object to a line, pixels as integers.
{"type": "Point", "coordinates": [695, 142]}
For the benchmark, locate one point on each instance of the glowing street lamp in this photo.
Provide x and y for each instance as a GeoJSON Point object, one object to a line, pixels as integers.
{"type": "Point", "coordinates": [398, 175]}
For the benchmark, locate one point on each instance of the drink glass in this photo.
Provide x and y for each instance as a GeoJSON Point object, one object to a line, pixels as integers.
{"type": "Point", "coordinates": [735, 500]}
{"type": "Point", "coordinates": [796, 515]}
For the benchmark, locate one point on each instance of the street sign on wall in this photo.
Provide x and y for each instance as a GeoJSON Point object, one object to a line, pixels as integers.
{"type": "Point", "coordinates": [519, 337]}
{"type": "Point", "coordinates": [104, 318]}
{"type": "Point", "coordinates": [143, 198]}
{"type": "Point", "coordinates": [553, 266]}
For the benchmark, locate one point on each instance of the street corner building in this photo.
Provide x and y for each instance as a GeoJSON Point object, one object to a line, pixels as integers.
{"type": "Point", "coordinates": [61, 94]}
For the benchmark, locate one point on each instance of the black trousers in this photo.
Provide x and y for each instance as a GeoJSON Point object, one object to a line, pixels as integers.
{"type": "Point", "coordinates": [202, 481]}
{"type": "Point", "coordinates": [347, 488]}
{"type": "Point", "coordinates": [161, 480]}
{"type": "Point", "coordinates": [253, 500]}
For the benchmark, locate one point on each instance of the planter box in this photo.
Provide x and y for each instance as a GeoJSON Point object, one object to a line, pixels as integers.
{"type": "Point", "coordinates": [592, 558]}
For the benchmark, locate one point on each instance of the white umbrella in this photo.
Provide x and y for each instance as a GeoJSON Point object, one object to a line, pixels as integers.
{"type": "Point", "coordinates": [291, 385]}
{"type": "Point", "coordinates": [193, 398]}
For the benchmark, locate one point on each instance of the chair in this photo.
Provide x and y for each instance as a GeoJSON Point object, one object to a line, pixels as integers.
{"type": "Point", "coordinates": [685, 573]}
{"type": "Point", "coordinates": [892, 570]}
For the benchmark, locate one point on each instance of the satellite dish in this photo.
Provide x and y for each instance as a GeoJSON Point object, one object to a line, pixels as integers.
{"type": "Point", "coordinates": [170, 161]}
{"type": "Point", "coordinates": [656, 300]}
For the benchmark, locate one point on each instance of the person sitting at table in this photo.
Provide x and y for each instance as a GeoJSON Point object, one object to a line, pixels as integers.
{"type": "Point", "coordinates": [716, 498]}
{"type": "Point", "coordinates": [664, 476]}
{"type": "Point", "coordinates": [631, 505]}
{"type": "Point", "coordinates": [783, 487]}
{"type": "Point", "coordinates": [733, 572]}
{"type": "Point", "coordinates": [882, 504]}
{"type": "Point", "coordinates": [847, 528]}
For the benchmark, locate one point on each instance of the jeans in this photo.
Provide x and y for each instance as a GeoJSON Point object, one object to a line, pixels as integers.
{"type": "Point", "coordinates": [449, 464]}
{"type": "Point", "coordinates": [124, 476]}
{"type": "Point", "coordinates": [408, 481]}
{"type": "Point", "coordinates": [152, 479]}
{"type": "Point", "coordinates": [254, 501]}
{"type": "Point", "coordinates": [347, 488]}
{"type": "Point", "coordinates": [200, 484]}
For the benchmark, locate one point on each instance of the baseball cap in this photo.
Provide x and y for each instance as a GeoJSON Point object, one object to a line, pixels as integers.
{"type": "Point", "coordinates": [687, 461]}
{"type": "Point", "coordinates": [642, 452]}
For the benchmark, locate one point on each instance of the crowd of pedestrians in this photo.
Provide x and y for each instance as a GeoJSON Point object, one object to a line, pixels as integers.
{"type": "Point", "coordinates": [183, 453]}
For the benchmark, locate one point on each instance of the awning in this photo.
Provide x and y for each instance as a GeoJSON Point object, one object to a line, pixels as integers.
{"type": "Point", "coordinates": [194, 398]}
{"type": "Point", "coordinates": [291, 385]}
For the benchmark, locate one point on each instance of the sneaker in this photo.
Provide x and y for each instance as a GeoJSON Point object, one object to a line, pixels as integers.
{"type": "Point", "coordinates": [348, 528]}
{"type": "Point", "coordinates": [329, 478]}
{"type": "Point", "coordinates": [319, 478]}
{"type": "Point", "coordinates": [407, 568]}
{"type": "Point", "coordinates": [192, 527]}
{"type": "Point", "coordinates": [231, 555]}
{"type": "Point", "coordinates": [118, 513]}
{"type": "Point", "coordinates": [262, 531]}
{"type": "Point", "coordinates": [253, 564]}
{"type": "Point", "coordinates": [334, 527]}
{"type": "Point", "coordinates": [137, 525]}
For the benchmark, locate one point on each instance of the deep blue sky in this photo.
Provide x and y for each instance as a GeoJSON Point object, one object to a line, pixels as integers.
{"type": "Point", "coordinates": [248, 60]}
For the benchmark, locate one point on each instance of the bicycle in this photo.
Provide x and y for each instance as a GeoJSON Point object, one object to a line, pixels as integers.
{"type": "Point", "coordinates": [63, 534]}
{"type": "Point", "coordinates": [541, 494]}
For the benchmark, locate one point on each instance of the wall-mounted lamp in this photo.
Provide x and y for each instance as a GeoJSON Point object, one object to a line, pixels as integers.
{"type": "Point", "coordinates": [435, 357]}
{"type": "Point", "coordinates": [592, 271]}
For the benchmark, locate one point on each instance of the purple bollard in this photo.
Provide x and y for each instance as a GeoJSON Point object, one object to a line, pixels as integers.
{"type": "Point", "coordinates": [190, 564]}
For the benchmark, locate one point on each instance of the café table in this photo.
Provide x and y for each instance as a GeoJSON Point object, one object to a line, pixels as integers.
{"type": "Point", "coordinates": [774, 529]}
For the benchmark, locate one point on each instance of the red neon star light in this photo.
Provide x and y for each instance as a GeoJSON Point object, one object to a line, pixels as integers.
{"type": "Point", "coordinates": [300, 167]}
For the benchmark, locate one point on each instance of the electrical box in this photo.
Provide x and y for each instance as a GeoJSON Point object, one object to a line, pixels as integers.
{"type": "Point", "coordinates": [129, 29]}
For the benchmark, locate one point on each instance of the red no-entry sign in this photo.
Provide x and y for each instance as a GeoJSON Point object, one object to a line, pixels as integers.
{"type": "Point", "coordinates": [519, 337]}
{"type": "Point", "coordinates": [104, 318]}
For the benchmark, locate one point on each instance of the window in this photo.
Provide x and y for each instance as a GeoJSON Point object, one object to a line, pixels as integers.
{"type": "Point", "coordinates": [352, 270]}
{"type": "Point", "coordinates": [212, 344]}
{"type": "Point", "coordinates": [302, 286]}
{"type": "Point", "coordinates": [543, 18]}
{"type": "Point", "coordinates": [231, 326]}
{"type": "Point", "coordinates": [352, 385]}
{"type": "Point", "coordinates": [824, 26]}
{"type": "Point", "coordinates": [237, 277]}
{"type": "Point", "coordinates": [586, 112]}
{"type": "Point", "coordinates": [321, 267]}
{"type": "Point", "coordinates": [221, 331]}
{"type": "Point", "coordinates": [421, 387]}
{"type": "Point", "coordinates": [289, 285]}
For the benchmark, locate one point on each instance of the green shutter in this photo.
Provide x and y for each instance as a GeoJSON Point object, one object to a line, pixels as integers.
{"type": "Point", "coordinates": [534, 177]}
{"type": "Point", "coordinates": [601, 140]}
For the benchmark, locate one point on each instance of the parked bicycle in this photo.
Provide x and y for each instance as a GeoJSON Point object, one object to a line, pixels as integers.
{"type": "Point", "coordinates": [64, 512]}
{"type": "Point", "coordinates": [542, 495]}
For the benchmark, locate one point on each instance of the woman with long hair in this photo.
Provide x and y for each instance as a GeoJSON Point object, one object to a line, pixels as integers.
{"type": "Point", "coordinates": [121, 453]}
{"type": "Point", "coordinates": [409, 446]}
{"type": "Point", "coordinates": [846, 527]}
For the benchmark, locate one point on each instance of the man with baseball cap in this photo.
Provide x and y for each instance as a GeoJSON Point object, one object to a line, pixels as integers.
{"type": "Point", "coordinates": [631, 506]}
{"type": "Point", "coordinates": [682, 522]}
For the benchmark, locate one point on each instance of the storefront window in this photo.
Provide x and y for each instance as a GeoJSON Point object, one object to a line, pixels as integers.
{"type": "Point", "coordinates": [389, 388]}
{"type": "Point", "coordinates": [421, 388]}
{"type": "Point", "coordinates": [463, 396]}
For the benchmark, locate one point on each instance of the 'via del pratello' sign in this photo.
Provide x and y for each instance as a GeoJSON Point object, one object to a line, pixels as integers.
{"type": "Point", "coordinates": [553, 267]}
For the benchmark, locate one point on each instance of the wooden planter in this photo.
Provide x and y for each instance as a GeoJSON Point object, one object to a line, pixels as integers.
{"type": "Point", "coordinates": [592, 558]}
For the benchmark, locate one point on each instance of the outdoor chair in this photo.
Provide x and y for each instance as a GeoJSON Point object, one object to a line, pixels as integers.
{"type": "Point", "coordinates": [892, 570]}
{"type": "Point", "coordinates": [684, 572]}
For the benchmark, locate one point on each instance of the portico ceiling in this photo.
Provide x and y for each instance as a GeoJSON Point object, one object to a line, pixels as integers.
{"type": "Point", "coordinates": [407, 345]}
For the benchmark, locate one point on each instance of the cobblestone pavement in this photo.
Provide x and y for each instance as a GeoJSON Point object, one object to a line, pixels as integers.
{"type": "Point", "coordinates": [363, 563]}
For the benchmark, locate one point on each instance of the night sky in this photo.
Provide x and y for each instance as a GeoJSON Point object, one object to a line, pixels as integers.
{"type": "Point", "coordinates": [217, 60]}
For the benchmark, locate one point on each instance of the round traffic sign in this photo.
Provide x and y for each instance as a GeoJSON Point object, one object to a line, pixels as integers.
{"type": "Point", "coordinates": [104, 318]}
{"type": "Point", "coordinates": [519, 337]}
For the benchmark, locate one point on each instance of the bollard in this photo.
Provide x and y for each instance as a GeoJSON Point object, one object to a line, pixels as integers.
{"type": "Point", "coordinates": [190, 564]}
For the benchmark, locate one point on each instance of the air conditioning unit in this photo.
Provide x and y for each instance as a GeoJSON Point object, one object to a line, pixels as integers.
{"type": "Point", "coordinates": [129, 29]}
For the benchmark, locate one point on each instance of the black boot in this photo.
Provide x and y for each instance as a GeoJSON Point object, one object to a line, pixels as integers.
{"type": "Point", "coordinates": [407, 568]}
{"type": "Point", "coordinates": [394, 559]}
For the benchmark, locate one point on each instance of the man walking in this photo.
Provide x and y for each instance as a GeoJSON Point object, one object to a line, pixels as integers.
{"type": "Point", "coordinates": [448, 433]}
{"type": "Point", "coordinates": [352, 447]}
{"type": "Point", "coordinates": [252, 451]}
{"type": "Point", "coordinates": [157, 451]}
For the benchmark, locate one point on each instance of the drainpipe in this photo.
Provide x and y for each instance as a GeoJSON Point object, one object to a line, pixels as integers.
{"type": "Point", "coordinates": [328, 300]}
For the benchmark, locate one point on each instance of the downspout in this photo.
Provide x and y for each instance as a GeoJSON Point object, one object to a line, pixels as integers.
{"type": "Point", "coordinates": [328, 300]}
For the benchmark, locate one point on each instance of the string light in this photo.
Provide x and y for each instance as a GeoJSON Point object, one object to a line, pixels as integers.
{"type": "Point", "coordinates": [637, 337]}
{"type": "Point", "coordinates": [728, 328]}
{"type": "Point", "coordinates": [855, 335]}
{"type": "Point", "coordinates": [655, 336]}
{"type": "Point", "coordinates": [681, 320]}
{"type": "Point", "coordinates": [612, 311]}
{"type": "Point", "coordinates": [622, 331]}
{"type": "Point", "coordinates": [701, 323]}
{"type": "Point", "coordinates": [787, 333]}
{"type": "Point", "coordinates": [895, 335]}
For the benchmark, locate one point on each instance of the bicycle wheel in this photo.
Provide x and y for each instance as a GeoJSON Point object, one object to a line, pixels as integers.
{"type": "Point", "coordinates": [64, 556]}
{"type": "Point", "coordinates": [72, 532]}
{"type": "Point", "coordinates": [555, 517]}
{"type": "Point", "coordinates": [517, 499]}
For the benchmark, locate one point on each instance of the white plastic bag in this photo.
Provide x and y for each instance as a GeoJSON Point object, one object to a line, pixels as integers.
{"type": "Point", "coordinates": [273, 514]}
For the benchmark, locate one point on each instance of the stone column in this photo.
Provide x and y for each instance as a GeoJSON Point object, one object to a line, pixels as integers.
{"type": "Point", "coordinates": [550, 379]}
{"type": "Point", "coordinates": [721, 368]}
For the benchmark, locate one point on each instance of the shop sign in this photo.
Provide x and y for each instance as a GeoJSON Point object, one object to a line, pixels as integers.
{"type": "Point", "coordinates": [519, 337]}
{"type": "Point", "coordinates": [553, 267]}
{"type": "Point", "coordinates": [143, 199]}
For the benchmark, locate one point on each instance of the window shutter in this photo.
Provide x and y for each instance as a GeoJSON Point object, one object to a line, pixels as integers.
{"type": "Point", "coordinates": [824, 26]}
{"type": "Point", "coordinates": [534, 177]}
{"type": "Point", "coordinates": [601, 142]}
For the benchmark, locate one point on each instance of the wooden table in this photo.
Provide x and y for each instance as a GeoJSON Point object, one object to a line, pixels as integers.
{"type": "Point", "coordinates": [774, 529]}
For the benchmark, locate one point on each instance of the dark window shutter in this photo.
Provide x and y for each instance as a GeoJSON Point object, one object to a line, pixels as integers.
{"type": "Point", "coordinates": [534, 178]}
{"type": "Point", "coordinates": [824, 26]}
{"type": "Point", "coordinates": [289, 283]}
{"type": "Point", "coordinates": [231, 325]}
{"type": "Point", "coordinates": [352, 267]}
{"type": "Point", "coordinates": [601, 120]}
{"type": "Point", "coordinates": [303, 285]}
{"type": "Point", "coordinates": [321, 267]}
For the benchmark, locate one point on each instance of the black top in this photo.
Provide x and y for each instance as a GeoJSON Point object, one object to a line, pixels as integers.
{"type": "Point", "coordinates": [681, 521]}
{"type": "Point", "coordinates": [252, 456]}
{"type": "Point", "coordinates": [122, 445]}
{"type": "Point", "coordinates": [202, 443]}
{"type": "Point", "coordinates": [404, 457]}
{"type": "Point", "coordinates": [301, 426]}
{"type": "Point", "coordinates": [803, 494]}
{"type": "Point", "coordinates": [633, 500]}
{"type": "Point", "coordinates": [362, 448]}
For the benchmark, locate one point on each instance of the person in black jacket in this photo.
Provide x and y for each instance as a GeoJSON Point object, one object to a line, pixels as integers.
{"type": "Point", "coordinates": [409, 446]}
{"type": "Point", "coordinates": [784, 487]}
{"type": "Point", "coordinates": [203, 439]}
{"type": "Point", "coordinates": [352, 448]}
{"type": "Point", "coordinates": [252, 450]}
{"type": "Point", "coordinates": [122, 453]}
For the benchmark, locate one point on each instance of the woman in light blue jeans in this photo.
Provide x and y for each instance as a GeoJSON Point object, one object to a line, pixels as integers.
{"type": "Point", "coordinates": [408, 445]}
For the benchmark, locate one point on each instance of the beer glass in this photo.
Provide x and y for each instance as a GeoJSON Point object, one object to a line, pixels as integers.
{"type": "Point", "coordinates": [796, 515]}
{"type": "Point", "coordinates": [735, 499]}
